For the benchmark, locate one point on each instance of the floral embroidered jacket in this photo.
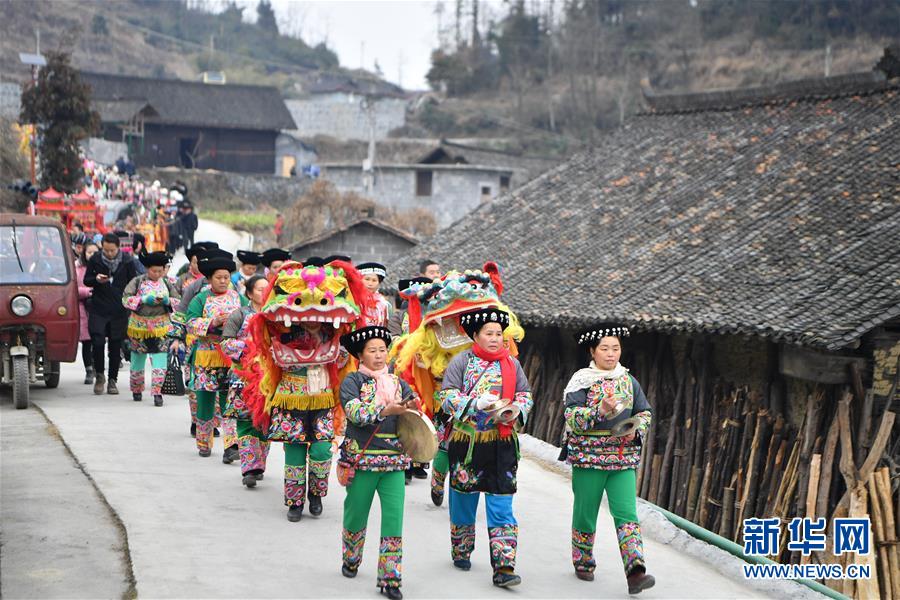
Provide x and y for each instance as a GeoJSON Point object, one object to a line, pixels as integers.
{"type": "Point", "coordinates": [363, 411]}
{"type": "Point", "coordinates": [588, 443]}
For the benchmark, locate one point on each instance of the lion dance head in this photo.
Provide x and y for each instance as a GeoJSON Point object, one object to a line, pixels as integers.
{"type": "Point", "coordinates": [306, 311]}
{"type": "Point", "coordinates": [435, 335]}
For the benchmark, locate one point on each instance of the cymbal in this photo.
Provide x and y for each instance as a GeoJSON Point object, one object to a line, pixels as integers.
{"type": "Point", "coordinates": [626, 427]}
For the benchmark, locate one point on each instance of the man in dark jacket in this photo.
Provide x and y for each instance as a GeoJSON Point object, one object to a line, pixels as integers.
{"type": "Point", "coordinates": [108, 272]}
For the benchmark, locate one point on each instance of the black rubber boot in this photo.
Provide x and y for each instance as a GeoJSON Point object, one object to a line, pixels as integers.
{"type": "Point", "coordinates": [348, 572]}
{"type": "Point", "coordinates": [506, 579]}
{"type": "Point", "coordinates": [136, 397]}
{"type": "Point", "coordinates": [315, 505]}
{"type": "Point", "coordinates": [393, 593]}
{"type": "Point", "coordinates": [230, 455]}
{"type": "Point", "coordinates": [295, 513]}
{"type": "Point", "coordinates": [157, 400]}
{"type": "Point", "coordinates": [89, 376]}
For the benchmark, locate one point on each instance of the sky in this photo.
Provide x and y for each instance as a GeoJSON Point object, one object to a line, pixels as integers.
{"type": "Point", "coordinates": [399, 34]}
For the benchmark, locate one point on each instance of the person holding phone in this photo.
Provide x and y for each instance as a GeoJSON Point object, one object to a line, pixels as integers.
{"type": "Point", "coordinates": [108, 272]}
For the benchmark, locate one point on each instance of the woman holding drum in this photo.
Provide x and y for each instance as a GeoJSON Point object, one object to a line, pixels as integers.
{"type": "Point", "coordinates": [606, 415]}
{"type": "Point", "coordinates": [372, 456]}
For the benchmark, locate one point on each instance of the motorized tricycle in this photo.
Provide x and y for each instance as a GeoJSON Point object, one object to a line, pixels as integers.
{"type": "Point", "coordinates": [38, 302]}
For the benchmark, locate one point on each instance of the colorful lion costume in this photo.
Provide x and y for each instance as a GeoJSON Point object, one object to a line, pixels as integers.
{"type": "Point", "coordinates": [435, 337]}
{"type": "Point", "coordinates": [294, 365]}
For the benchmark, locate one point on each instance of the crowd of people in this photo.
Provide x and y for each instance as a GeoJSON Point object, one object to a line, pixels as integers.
{"type": "Point", "coordinates": [311, 353]}
{"type": "Point", "coordinates": [164, 218]}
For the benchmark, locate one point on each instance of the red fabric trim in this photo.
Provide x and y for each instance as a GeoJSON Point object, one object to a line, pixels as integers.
{"type": "Point", "coordinates": [507, 375]}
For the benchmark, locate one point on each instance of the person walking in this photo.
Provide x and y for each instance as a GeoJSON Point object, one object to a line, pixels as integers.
{"type": "Point", "coordinates": [84, 298]}
{"type": "Point", "coordinates": [108, 272]}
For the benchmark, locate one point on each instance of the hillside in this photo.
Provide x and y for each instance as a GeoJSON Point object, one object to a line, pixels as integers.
{"type": "Point", "coordinates": [546, 82]}
{"type": "Point", "coordinates": [565, 75]}
{"type": "Point", "coordinates": [160, 38]}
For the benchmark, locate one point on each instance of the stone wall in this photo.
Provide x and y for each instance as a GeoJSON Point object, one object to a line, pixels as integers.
{"type": "Point", "coordinates": [104, 151]}
{"type": "Point", "coordinates": [229, 191]}
{"type": "Point", "coordinates": [362, 243]}
{"type": "Point", "coordinates": [455, 189]}
{"type": "Point", "coordinates": [341, 116]}
{"type": "Point", "coordinates": [10, 98]}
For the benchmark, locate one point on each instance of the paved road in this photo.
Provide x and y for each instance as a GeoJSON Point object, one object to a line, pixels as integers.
{"type": "Point", "coordinates": [227, 238]}
{"type": "Point", "coordinates": [58, 539]}
{"type": "Point", "coordinates": [194, 531]}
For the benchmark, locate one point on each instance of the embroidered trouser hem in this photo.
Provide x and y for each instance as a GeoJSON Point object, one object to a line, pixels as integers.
{"type": "Point", "coordinates": [439, 468]}
{"type": "Point", "coordinates": [503, 529]}
{"type": "Point", "coordinates": [252, 447]}
{"type": "Point", "coordinates": [319, 468]}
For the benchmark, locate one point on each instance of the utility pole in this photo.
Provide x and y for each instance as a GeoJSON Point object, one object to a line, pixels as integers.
{"type": "Point", "coordinates": [368, 105]}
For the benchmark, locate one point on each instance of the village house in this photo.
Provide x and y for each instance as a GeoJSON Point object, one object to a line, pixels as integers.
{"type": "Point", "coordinates": [366, 239]}
{"type": "Point", "coordinates": [188, 124]}
{"type": "Point", "coordinates": [750, 239]}
{"type": "Point", "coordinates": [446, 178]}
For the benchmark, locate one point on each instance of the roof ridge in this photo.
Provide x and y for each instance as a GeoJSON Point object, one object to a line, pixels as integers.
{"type": "Point", "coordinates": [851, 84]}
{"type": "Point", "coordinates": [447, 142]}
{"type": "Point", "coordinates": [180, 81]}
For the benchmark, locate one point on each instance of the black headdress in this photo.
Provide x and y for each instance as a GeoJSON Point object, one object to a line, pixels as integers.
{"type": "Point", "coordinates": [474, 320]}
{"type": "Point", "coordinates": [372, 268]}
{"type": "Point", "coordinates": [588, 337]}
{"type": "Point", "coordinates": [355, 341]}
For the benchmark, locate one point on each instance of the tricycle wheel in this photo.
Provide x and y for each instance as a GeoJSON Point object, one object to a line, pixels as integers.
{"type": "Point", "coordinates": [20, 381]}
{"type": "Point", "coordinates": [51, 374]}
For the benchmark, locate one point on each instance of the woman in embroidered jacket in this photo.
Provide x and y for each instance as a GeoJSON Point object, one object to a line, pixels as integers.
{"type": "Point", "coordinates": [186, 282]}
{"type": "Point", "coordinates": [206, 315]}
{"type": "Point", "coordinates": [598, 398]}
{"type": "Point", "coordinates": [150, 298]}
{"type": "Point", "coordinates": [373, 275]}
{"type": "Point", "coordinates": [487, 394]}
{"type": "Point", "coordinates": [372, 398]}
{"type": "Point", "coordinates": [253, 447]}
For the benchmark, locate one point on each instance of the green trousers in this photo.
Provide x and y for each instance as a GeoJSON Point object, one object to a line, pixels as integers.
{"type": "Point", "coordinates": [391, 488]}
{"type": "Point", "coordinates": [206, 403]}
{"type": "Point", "coordinates": [589, 486]}
{"type": "Point", "coordinates": [245, 428]}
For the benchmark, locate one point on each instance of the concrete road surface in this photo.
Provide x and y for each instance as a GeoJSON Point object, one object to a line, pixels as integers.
{"type": "Point", "coordinates": [194, 532]}
{"type": "Point", "coordinates": [227, 238]}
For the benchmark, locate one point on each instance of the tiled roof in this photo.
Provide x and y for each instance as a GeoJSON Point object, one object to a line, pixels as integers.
{"type": "Point", "coordinates": [778, 218]}
{"type": "Point", "coordinates": [361, 221]}
{"type": "Point", "coordinates": [193, 103]}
